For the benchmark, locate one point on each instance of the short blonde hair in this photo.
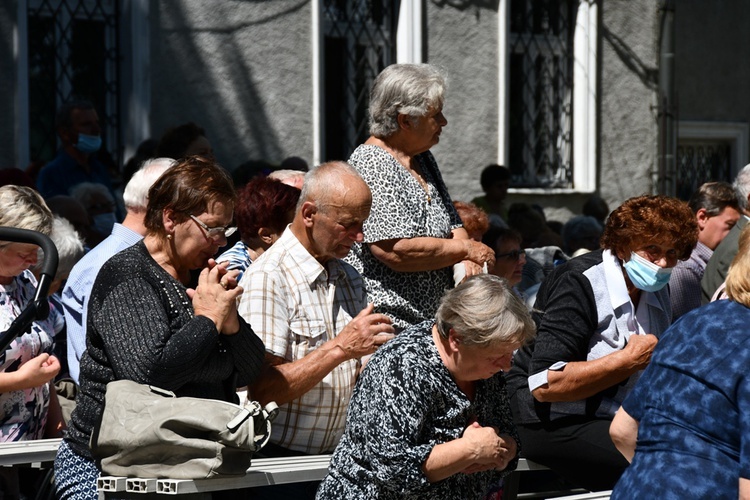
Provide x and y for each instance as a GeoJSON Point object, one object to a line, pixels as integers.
{"type": "Point", "coordinates": [24, 208]}
{"type": "Point", "coordinates": [738, 277]}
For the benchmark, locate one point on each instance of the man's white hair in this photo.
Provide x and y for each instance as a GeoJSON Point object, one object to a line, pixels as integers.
{"type": "Point", "coordinates": [135, 195]}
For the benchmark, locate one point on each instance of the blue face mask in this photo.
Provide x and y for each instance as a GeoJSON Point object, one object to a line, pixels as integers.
{"type": "Point", "coordinates": [646, 275]}
{"type": "Point", "coordinates": [103, 223]}
{"type": "Point", "coordinates": [89, 143]}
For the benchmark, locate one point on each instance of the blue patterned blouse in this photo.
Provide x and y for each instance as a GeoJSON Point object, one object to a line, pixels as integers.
{"type": "Point", "coordinates": [693, 408]}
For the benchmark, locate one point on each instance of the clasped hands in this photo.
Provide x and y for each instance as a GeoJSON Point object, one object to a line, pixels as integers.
{"type": "Point", "coordinates": [216, 296]}
{"type": "Point", "coordinates": [491, 449]}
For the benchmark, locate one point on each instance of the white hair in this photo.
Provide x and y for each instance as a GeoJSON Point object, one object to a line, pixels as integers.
{"type": "Point", "coordinates": [294, 178]}
{"type": "Point", "coordinates": [135, 195]}
{"type": "Point", "coordinates": [404, 89]}
{"type": "Point", "coordinates": [741, 186]}
{"type": "Point", "coordinates": [484, 310]}
{"type": "Point", "coordinates": [24, 208]}
{"type": "Point", "coordinates": [321, 181]}
{"type": "Point", "coordinates": [69, 246]}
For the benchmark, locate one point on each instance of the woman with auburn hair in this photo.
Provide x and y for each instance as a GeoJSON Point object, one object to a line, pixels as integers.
{"type": "Point", "coordinates": [144, 324]}
{"type": "Point", "coordinates": [598, 317]}
{"type": "Point", "coordinates": [690, 410]}
{"type": "Point", "coordinates": [265, 207]}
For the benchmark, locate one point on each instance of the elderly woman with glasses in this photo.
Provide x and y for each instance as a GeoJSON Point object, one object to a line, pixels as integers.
{"type": "Point", "coordinates": [599, 317]}
{"type": "Point", "coordinates": [145, 325]}
{"type": "Point", "coordinates": [413, 236]}
{"type": "Point", "coordinates": [429, 417]}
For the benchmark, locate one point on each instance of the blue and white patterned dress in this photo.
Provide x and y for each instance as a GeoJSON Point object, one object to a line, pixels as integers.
{"type": "Point", "coordinates": [237, 257]}
{"type": "Point", "coordinates": [23, 413]}
{"type": "Point", "coordinates": [404, 404]}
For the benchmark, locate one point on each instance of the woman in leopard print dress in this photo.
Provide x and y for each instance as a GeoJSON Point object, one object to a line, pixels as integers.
{"type": "Point", "coordinates": [413, 236]}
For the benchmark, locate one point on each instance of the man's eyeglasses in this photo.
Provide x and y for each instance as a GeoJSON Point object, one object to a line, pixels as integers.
{"type": "Point", "coordinates": [214, 232]}
{"type": "Point", "coordinates": [512, 255]}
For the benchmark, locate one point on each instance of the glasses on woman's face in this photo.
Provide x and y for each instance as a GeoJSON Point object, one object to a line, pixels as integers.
{"type": "Point", "coordinates": [215, 233]}
{"type": "Point", "coordinates": [513, 255]}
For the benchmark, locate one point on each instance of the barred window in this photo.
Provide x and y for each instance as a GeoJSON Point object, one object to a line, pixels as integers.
{"type": "Point", "coordinates": [700, 161]}
{"type": "Point", "coordinates": [541, 93]}
{"type": "Point", "coordinates": [73, 51]}
{"type": "Point", "coordinates": [359, 43]}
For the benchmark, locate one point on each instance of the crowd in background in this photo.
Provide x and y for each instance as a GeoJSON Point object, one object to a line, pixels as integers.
{"type": "Point", "coordinates": [427, 343]}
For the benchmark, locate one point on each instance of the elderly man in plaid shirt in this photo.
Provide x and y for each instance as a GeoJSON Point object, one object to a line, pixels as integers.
{"type": "Point", "coordinates": [310, 309]}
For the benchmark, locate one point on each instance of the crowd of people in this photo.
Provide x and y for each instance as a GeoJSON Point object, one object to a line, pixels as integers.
{"type": "Point", "coordinates": [426, 343]}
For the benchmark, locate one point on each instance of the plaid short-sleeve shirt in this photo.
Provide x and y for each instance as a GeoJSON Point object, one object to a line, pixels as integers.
{"type": "Point", "coordinates": [295, 304]}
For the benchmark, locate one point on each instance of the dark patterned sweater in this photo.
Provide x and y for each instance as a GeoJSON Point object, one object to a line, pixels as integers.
{"type": "Point", "coordinates": [404, 404]}
{"type": "Point", "coordinates": [141, 327]}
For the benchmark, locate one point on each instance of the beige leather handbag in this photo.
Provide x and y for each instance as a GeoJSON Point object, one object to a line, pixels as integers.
{"type": "Point", "coordinates": [149, 432]}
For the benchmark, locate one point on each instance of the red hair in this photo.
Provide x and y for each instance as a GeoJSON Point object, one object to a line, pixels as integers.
{"type": "Point", "coordinates": [264, 202]}
{"type": "Point", "coordinates": [651, 219]}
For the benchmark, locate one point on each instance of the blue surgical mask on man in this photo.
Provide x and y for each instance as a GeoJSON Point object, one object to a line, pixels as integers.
{"type": "Point", "coordinates": [89, 143]}
{"type": "Point", "coordinates": [646, 275]}
{"type": "Point", "coordinates": [103, 223]}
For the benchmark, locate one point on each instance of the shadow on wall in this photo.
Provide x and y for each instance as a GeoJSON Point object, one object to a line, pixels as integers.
{"type": "Point", "coordinates": [466, 4]}
{"type": "Point", "coordinates": [648, 75]}
{"type": "Point", "coordinates": [223, 94]}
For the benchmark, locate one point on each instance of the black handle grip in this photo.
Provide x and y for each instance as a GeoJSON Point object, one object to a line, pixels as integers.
{"type": "Point", "coordinates": [38, 308]}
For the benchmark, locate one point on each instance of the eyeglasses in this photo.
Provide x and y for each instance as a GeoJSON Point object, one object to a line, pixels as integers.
{"type": "Point", "coordinates": [214, 232]}
{"type": "Point", "coordinates": [513, 255]}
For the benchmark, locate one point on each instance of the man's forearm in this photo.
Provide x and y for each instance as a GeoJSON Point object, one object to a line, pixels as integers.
{"type": "Point", "coordinates": [286, 381]}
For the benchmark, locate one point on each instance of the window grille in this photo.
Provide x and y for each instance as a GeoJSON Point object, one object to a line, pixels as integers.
{"type": "Point", "coordinates": [359, 43]}
{"type": "Point", "coordinates": [74, 51]}
{"type": "Point", "coordinates": [701, 161]}
{"type": "Point", "coordinates": [541, 88]}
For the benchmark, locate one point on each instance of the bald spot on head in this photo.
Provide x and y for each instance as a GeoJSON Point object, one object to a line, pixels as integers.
{"type": "Point", "coordinates": [334, 186]}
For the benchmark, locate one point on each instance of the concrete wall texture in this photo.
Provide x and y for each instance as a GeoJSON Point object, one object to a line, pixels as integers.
{"type": "Point", "coordinates": [243, 71]}
{"type": "Point", "coordinates": [627, 118]}
{"type": "Point", "coordinates": [462, 38]}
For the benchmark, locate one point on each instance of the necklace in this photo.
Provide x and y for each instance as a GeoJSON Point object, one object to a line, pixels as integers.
{"type": "Point", "coordinates": [417, 174]}
{"type": "Point", "coordinates": [424, 185]}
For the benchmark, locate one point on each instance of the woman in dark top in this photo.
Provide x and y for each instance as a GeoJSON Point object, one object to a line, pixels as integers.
{"type": "Point", "coordinates": [599, 317]}
{"type": "Point", "coordinates": [145, 325]}
{"type": "Point", "coordinates": [413, 236]}
{"type": "Point", "coordinates": [429, 417]}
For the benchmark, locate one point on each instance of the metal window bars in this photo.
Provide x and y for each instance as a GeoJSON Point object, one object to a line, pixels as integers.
{"type": "Point", "coordinates": [541, 87]}
{"type": "Point", "coordinates": [359, 43]}
{"type": "Point", "coordinates": [74, 51]}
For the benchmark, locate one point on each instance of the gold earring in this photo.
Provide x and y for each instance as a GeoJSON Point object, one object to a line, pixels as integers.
{"type": "Point", "coordinates": [169, 236]}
